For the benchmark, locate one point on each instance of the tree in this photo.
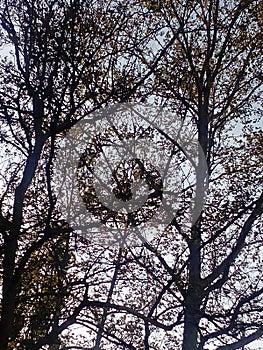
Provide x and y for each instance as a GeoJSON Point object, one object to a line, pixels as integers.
{"type": "Point", "coordinates": [183, 288]}
{"type": "Point", "coordinates": [65, 61]}
{"type": "Point", "coordinates": [211, 291]}
{"type": "Point", "coordinates": [220, 48]}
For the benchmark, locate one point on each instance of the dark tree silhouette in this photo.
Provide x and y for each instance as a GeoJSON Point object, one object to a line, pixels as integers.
{"type": "Point", "coordinates": [61, 60]}
{"type": "Point", "coordinates": [195, 288]}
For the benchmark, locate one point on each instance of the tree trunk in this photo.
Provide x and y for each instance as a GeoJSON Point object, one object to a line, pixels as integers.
{"type": "Point", "coordinates": [9, 292]}
{"type": "Point", "coordinates": [194, 292]}
{"type": "Point", "coordinates": [191, 322]}
{"type": "Point", "coordinates": [11, 281]}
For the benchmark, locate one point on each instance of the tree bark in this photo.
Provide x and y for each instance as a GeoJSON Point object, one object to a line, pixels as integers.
{"type": "Point", "coordinates": [194, 293]}
{"type": "Point", "coordinates": [10, 283]}
{"type": "Point", "coordinates": [190, 337]}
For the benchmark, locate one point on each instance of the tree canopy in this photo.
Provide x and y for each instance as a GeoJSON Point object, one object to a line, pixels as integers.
{"type": "Point", "coordinates": [197, 286]}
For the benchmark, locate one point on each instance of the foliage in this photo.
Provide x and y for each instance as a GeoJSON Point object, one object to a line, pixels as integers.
{"type": "Point", "coordinates": [199, 288]}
